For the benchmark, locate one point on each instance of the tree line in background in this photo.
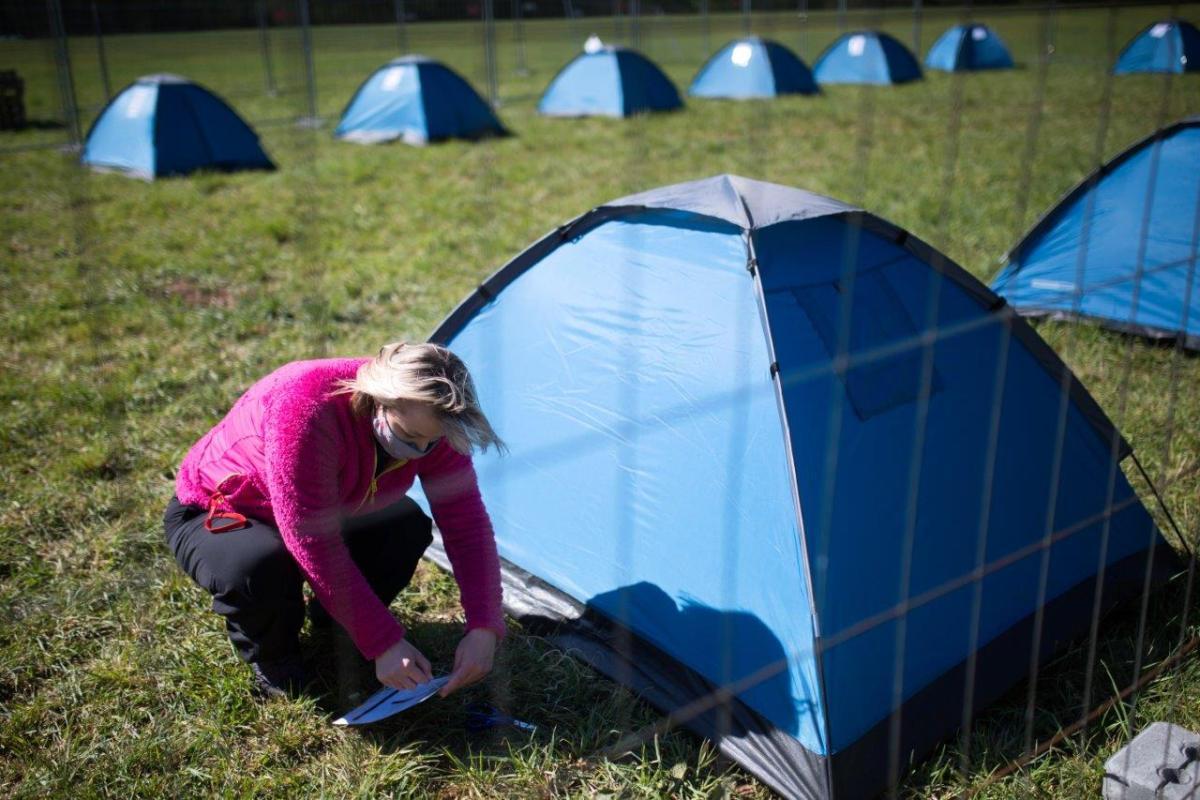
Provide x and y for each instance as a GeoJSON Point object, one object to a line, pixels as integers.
{"type": "Point", "coordinates": [31, 18]}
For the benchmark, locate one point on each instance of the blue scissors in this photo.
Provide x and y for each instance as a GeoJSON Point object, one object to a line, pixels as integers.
{"type": "Point", "coordinates": [483, 716]}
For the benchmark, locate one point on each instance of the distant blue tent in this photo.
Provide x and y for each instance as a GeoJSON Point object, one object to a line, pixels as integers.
{"type": "Point", "coordinates": [1169, 46]}
{"type": "Point", "coordinates": [701, 496]}
{"type": "Point", "coordinates": [969, 47]}
{"type": "Point", "coordinates": [166, 125]}
{"type": "Point", "coordinates": [416, 100]}
{"type": "Point", "coordinates": [1121, 247]}
{"type": "Point", "coordinates": [867, 57]}
{"type": "Point", "coordinates": [753, 67]}
{"type": "Point", "coordinates": [609, 82]}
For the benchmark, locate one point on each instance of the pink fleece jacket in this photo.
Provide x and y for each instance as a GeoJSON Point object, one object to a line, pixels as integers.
{"type": "Point", "coordinates": [292, 453]}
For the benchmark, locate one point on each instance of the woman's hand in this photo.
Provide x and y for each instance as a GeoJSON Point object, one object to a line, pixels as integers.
{"type": "Point", "coordinates": [402, 666]}
{"type": "Point", "coordinates": [472, 660]}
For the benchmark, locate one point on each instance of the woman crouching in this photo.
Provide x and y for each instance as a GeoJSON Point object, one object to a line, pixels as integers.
{"type": "Point", "coordinates": [305, 479]}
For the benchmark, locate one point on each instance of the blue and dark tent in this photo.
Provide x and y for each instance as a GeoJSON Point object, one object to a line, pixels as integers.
{"type": "Point", "coordinates": [609, 81]}
{"type": "Point", "coordinates": [1169, 46]}
{"type": "Point", "coordinates": [969, 47]}
{"type": "Point", "coordinates": [166, 125]}
{"type": "Point", "coordinates": [1121, 247]}
{"type": "Point", "coordinates": [416, 100]}
{"type": "Point", "coordinates": [752, 68]}
{"type": "Point", "coordinates": [763, 440]}
{"type": "Point", "coordinates": [867, 57]}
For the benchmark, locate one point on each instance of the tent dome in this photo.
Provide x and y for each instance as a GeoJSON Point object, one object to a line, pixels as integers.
{"type": "Point", "coordinates": [417, 100]}
{"type": "Point", "coordinates": [753, 67]}
{"type": "Point", "coordinates": [610, 82]}
{"type": "Point", "coordinates": [735, 412]}
{"type": "Point", "coordinates": [1120, 248]}
{"type": "Point", "coordinates": [167, 125]}
{"type": "Point", "coordinates": [867, 57]}
{"type": "Point", "coordinates": [969, 47]}
{"type": "Point", "coordinates": [1172, 45]}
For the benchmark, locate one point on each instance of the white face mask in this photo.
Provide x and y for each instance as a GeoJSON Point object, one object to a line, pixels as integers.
{"type": "Point", "coordinates": [393, 445]}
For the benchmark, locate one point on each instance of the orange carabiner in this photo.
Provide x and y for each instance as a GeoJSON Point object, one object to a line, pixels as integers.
{"type": "Point", "coordinates": [236, 520]}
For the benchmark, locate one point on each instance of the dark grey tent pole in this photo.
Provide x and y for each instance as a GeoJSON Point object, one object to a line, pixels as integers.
{"type": "Point", "coordinates": [310, 72]}
{"type": "Point", "coordinates": [802, 15]}
{"type": "Point", "coordinates": [62, 61]}
{"type": "Point", "coordinates": [401, 26]}
{"type": "Point", "coordinates": [635, 14]}
{"type": "Point", "coordinates": [746, 12]}
{"type": "Point", "coordinates": [519, 36]}
{"type": "Point", "coordinates": [101, 56]}
{"type": "Point", "coordinates": [707, 24]}
{"type": "Point", "coordinates": [841, 15]}
{"type": "Point", "coordinates": [489, 51]}
{"type": "Point", "coordinates": [264, 46]}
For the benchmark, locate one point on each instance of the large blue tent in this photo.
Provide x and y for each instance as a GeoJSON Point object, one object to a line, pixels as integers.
{"type": "Point", "coordinates": [867, 57]}
{"type": "Point", "coordinates": [765, 441]}
{"type": "Point", "coordinates": [166, 125]}
{"type": "Point", "coordinates": [753, 68]}
{"type": "Point", "coordinates": [968, 47]}
{"type": "Point", "coordinates": [609, 81]}
{"type": "Point", "coordinates": [417, 100]}
{"type": "Point", "coordinates": [1121, 247]}
{"type": "Point", "coordinates": [1169, 46]}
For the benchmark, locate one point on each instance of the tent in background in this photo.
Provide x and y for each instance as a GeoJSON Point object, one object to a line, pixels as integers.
{"type": "Point", "coordinates": [1121, 247]}
{"type": "Point", "coordinates": [867, 57]}
{"type": "Point", "coordinates": [699, 496]}
{"type": "Point", "coordinates": [611, 82]}
{"type": "Point", "coordinates": [166, 125]}
{"type": "Point", "coordinates": [1169, 46]}
{"type": "Point", "coordinates": [417, 100]}
{"type": "Point", "coordinates": [969, 47]}
{"type": "Point", "coordinates": [750, 68]}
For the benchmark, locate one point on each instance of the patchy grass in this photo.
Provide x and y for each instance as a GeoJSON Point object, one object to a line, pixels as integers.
{"type": "Point", "coordinates": [134, 313]}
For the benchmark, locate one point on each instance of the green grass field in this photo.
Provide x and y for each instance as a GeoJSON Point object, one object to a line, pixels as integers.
{"type": "Point", "coordinates": [133, 315]}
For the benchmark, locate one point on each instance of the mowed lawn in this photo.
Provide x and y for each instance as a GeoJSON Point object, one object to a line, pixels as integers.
{"type": "Point", "coordinates": [134, 314]}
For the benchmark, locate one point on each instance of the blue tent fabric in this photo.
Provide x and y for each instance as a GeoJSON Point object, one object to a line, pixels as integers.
{"type": "Point", "coordinates": [867, 57]}
{"type": "Point", "coordinates": [1168, 46]}
{"type": "Point", "coordinates": [609, 82]}
{"type": "Point", "coordinates": [1121, 247]}
{"type": "Point", "coordinates": [167, 125]}
{"type": "Point", "coordinates": [416, 100]}
{"type": "Point", "coordinates": [753, 68]}
{"type": "Point", "coordinates": [968, 47]}
{"type": "Point", "coordinates": [663, 369]}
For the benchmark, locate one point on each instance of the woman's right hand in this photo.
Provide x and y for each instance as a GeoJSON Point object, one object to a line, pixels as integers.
{"type": "Point", "coordinates": [402, 666]}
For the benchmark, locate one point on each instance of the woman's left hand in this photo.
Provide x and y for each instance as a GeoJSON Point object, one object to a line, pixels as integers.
{"type": "Point", "coordinates": [472, 660]}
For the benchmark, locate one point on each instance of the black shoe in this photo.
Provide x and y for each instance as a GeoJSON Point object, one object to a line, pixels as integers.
{"type": "Point", "coordinates": [286, 677]}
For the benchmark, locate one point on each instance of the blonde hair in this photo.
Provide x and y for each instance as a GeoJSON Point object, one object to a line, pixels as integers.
{"type": "Point", "coordinates": [429, 374]}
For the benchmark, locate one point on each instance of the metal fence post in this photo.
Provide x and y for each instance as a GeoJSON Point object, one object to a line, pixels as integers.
{"type": "Point", "coordinates": [264, 45]}
{"type": "Point", "coordinates": [916, 35]}
{"type": "Point", "coordinates": [100, 53]}
{"type": "Point", "coordinates": [401, 26]}
{"type": "Point", "coordinates": [746, 11]}
{"type": "Point", "coordinates": [312, 120]}
{"type": "Point", "coordinates": [66, 82]}
{"type": "Point", "coordinates": [489, 51]}
{"type": "Point", "coordinates": [519, 35]}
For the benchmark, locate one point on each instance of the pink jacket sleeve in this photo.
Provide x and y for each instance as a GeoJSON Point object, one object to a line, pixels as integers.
{"type": "Point", "coordinates": [449, 482]}
{"type": "Point", "coordinates": [303, 454]}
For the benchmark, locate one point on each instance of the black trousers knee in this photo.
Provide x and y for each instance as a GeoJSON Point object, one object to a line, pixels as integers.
{"type": "Point", "coordinates": [257, 586]}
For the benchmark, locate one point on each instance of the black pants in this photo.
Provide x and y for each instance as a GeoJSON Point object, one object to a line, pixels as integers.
{"type": "Point", "coordinates": [257, 586]}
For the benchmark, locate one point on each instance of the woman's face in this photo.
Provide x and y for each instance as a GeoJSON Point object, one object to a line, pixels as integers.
{"type": "Point", "coordinates": [414, 423]}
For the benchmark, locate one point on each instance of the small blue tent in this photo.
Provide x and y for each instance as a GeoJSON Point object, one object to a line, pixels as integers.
{"type": "Point", "coordinates": [166, 125]}
{"type": "Point", "coordinates": [753, 67]}
{"type": "Point", "coordinates": [417, 100]}
{"type": "Point", "coordinates": [968, 47]}
{"type": "Point", "coordinates": [1121, 247]}
{"type": "Point", "coordinates": [1169, 46]}
{"type": "Point", "coordinates": [610, 82]}
{"type": "Point", "coordinates": [756, 442]}
{"type": "Point", "coordinates": [867, 57]}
